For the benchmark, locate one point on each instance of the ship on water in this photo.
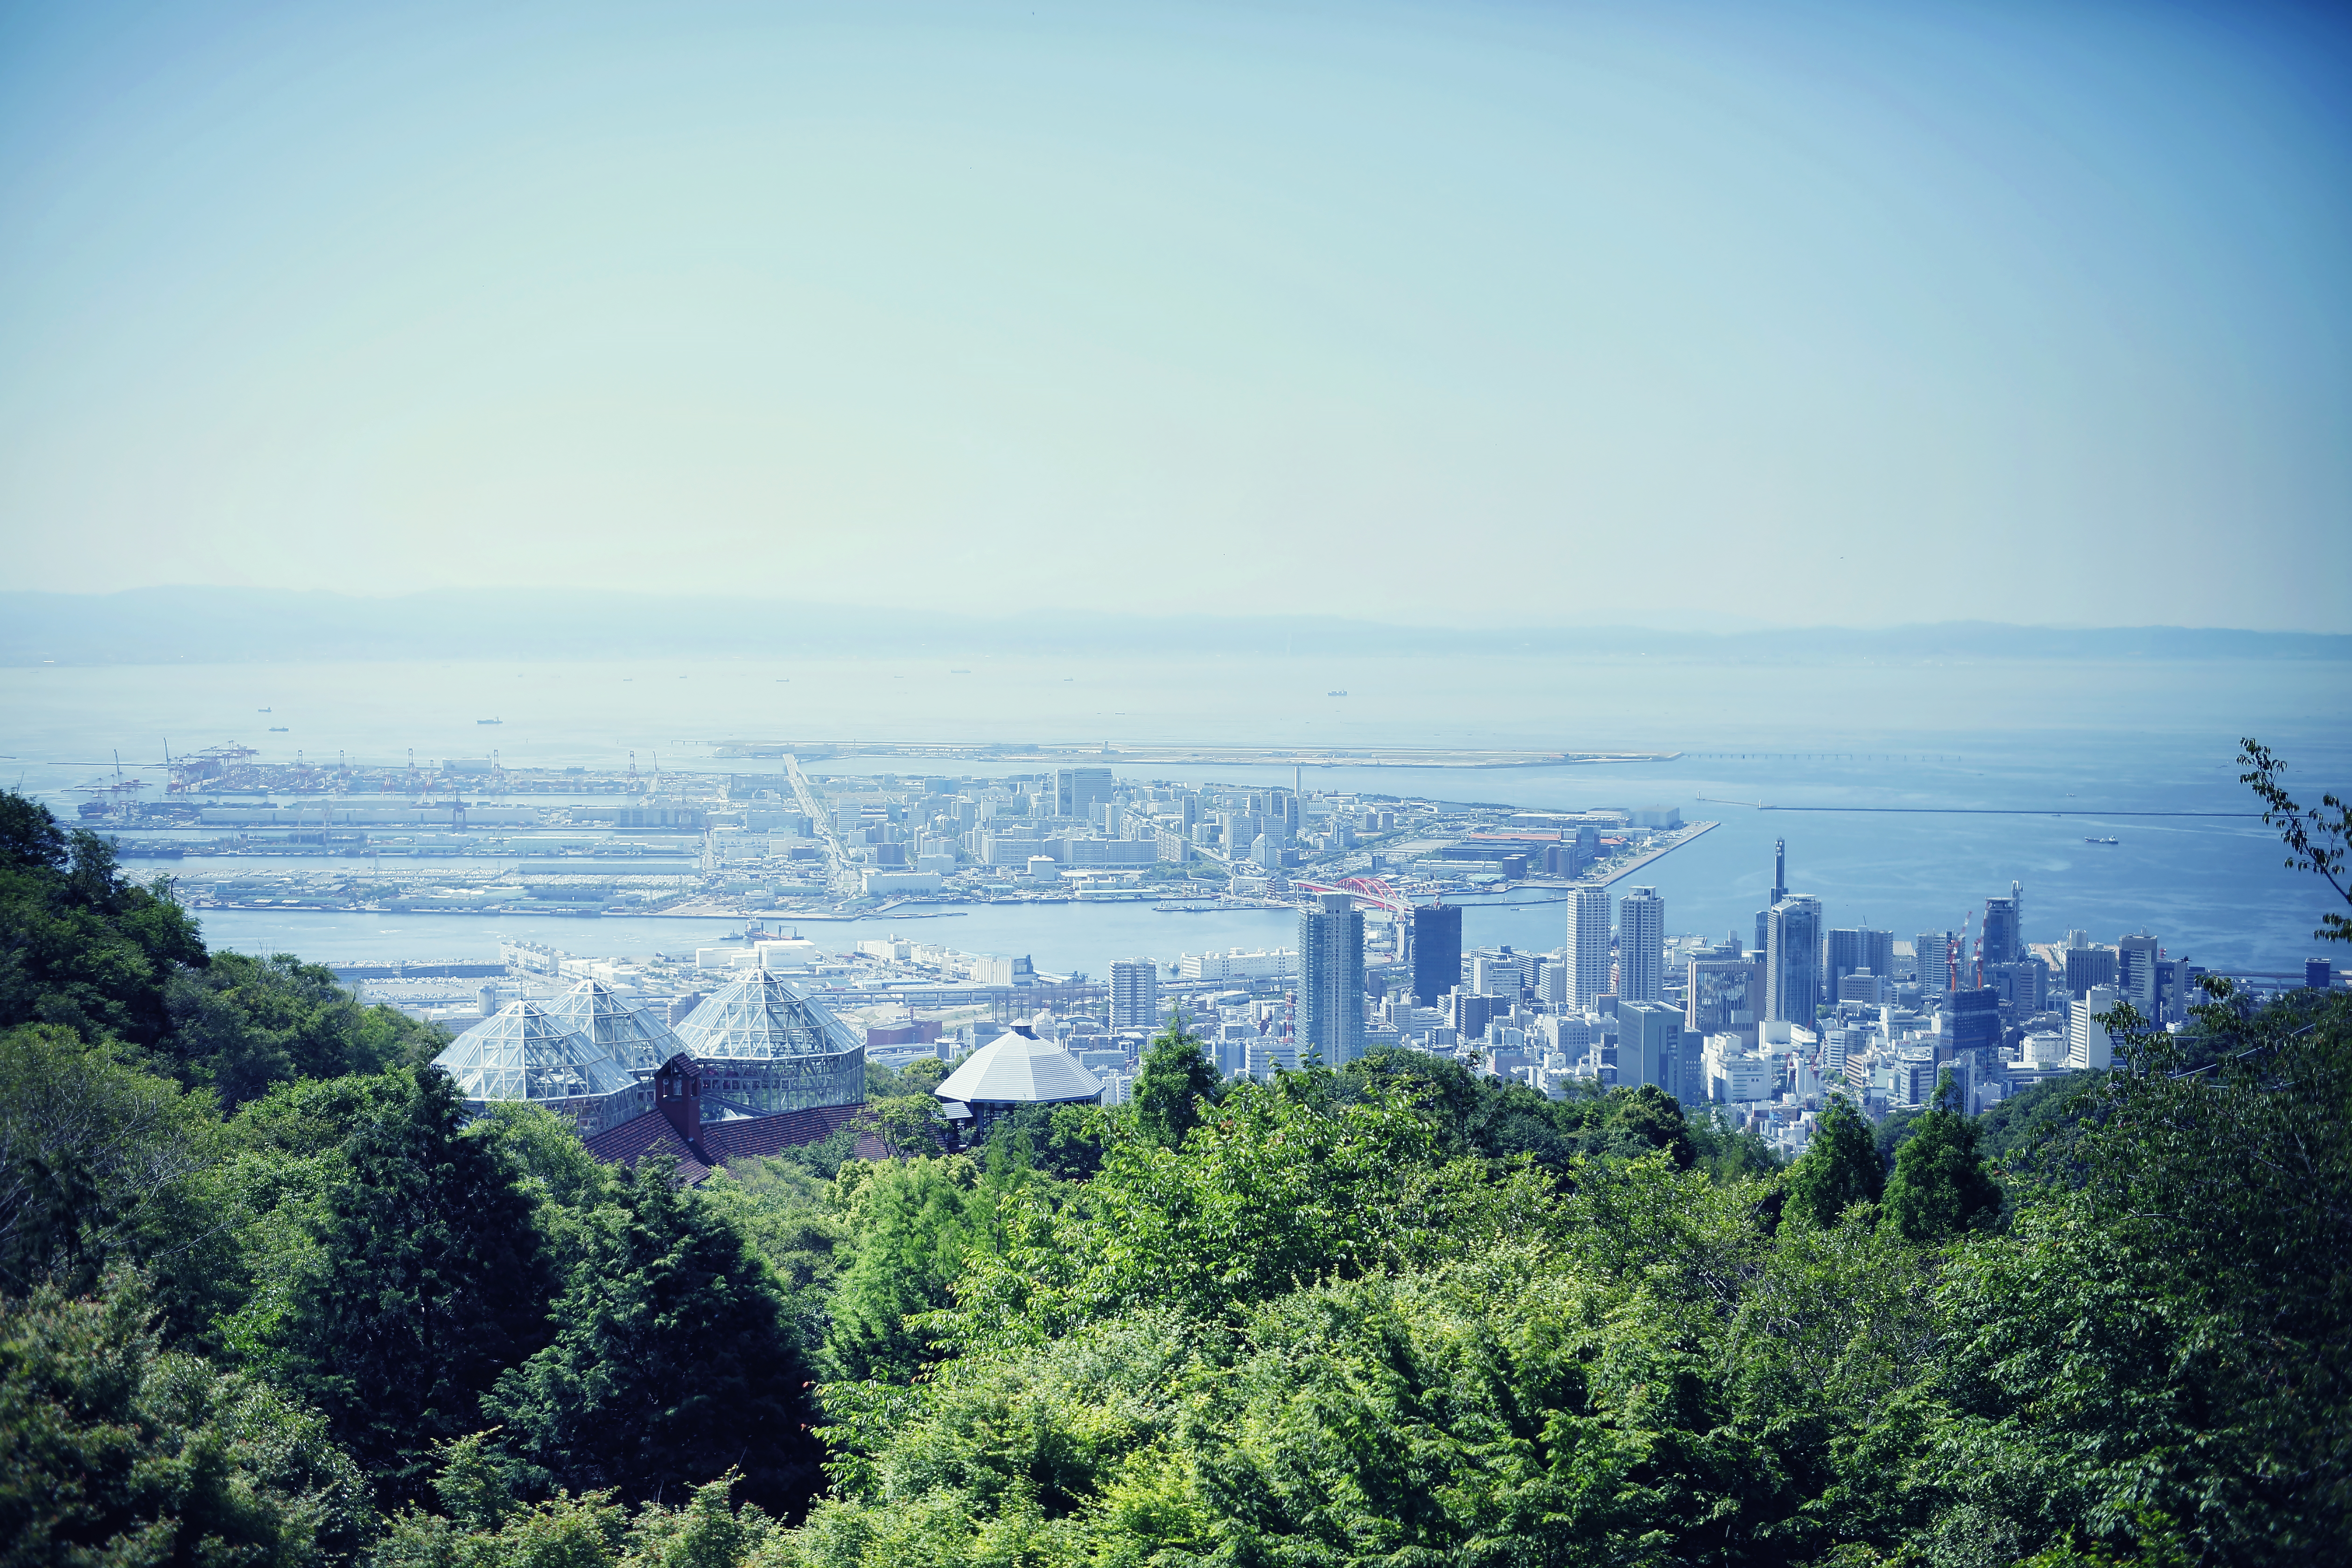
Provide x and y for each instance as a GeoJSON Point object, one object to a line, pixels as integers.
{"type": "Point", "coordinates": [2102, 840]}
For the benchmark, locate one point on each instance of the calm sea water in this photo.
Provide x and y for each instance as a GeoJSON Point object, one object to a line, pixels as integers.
{"type": "Point", "coordinates": [2095, 740]}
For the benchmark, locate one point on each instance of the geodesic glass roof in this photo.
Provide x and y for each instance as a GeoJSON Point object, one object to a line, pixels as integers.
{"type": "Point", "coordinates": [759, 1015]}
{"type": "Point", "coordinates": [525, 1052]}
{"type": "Point", "coordinates": [636, 1038]}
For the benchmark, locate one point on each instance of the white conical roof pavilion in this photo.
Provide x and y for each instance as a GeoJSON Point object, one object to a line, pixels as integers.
{"type": "Point", "coordinates": [634, 1036]}
{"type": "Point", "coordinates": [1019, 1069]}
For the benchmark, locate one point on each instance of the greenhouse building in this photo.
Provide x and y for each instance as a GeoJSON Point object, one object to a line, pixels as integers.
{"type": "Point", "coordinates": [766, 1047]}
{"type": "Point", "coordinates": [529, 1053]}
{"type": "Point", "coordinates": [636, 1038]}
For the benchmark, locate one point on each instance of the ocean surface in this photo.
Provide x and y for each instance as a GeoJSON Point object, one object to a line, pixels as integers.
{"type": "Point", "coordinates": [2001, 767]}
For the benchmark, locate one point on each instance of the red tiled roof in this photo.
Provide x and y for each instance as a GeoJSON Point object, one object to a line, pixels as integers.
{"type": "Point", "coordinates": [720, 1142]}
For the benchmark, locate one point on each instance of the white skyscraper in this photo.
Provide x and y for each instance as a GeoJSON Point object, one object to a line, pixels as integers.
{"type": "Point", "coordinates": [1642, 946]}
{"type": "Point", "coordinates": [1588, 947]}
{"type": "Point", "coordinates": [2089, 1046]}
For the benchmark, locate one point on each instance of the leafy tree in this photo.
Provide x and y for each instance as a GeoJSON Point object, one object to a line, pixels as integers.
{"type": "Point", "coordinates": [94, 1155]}
{"type": "Point", "coordinates": [1941, 1186]}
{"type": "Point", "coordinates": [430, 1279]}
{"type": "Point", "coordinates": [1838, 1169]}
{"type": "Point", "coordinates": [922, 1076]}
{"type": "Point", "coordinates": [1649, 1118]}
{"type": "Point", "coordinates": [2315, 840]}
{"type": "Point", "coordinates": [1176, 1077]}
{"type": "Point", "coordinates": [789, 1217]}
{"type": "Point", "coordinates": [113, 1451]}
{"type": "Point", "coordinates": [915, 1223]}
{"type": "Point", "coordinates": [910, 1124]}
{"type": "Point", "coordinates": [78, 946]}
{"type": "Point", "coordinates": [242, 1023]}
{"type": "Point", "coordinates": [2164, 1349]}
{"type": "Point", "coordinates": [671, 1362]}
{"type": "Point", "coordinates": [1275, 1191]}
{"type": "Point", "coordinates": [1064, 1142]}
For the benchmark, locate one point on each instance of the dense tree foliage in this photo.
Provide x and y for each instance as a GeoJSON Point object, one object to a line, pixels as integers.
{"type": "Point", "coordinates": [79, 946]}
{"type": "Point", "coordinates": [1176, 1079]}
{"type": "Point", "coordinates": [672, 1359]}
{"type": "Point", "coordinates": [85, 950]}
{"type": "Point", "coordinates": [114, 1450]}
{"type": "Point", "coordinates": [1838, 1169]}
{"type": "Point", "coordinates": [429, 1282]}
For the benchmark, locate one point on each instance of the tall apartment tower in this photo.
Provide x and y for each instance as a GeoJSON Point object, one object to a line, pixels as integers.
{"type": "Point", "coordinates": [1780, 891]}
{"type": "Point", "coordinates": [1932, 949]}
{"type": "Point", "coordinates": [1436, 951]}
{"type": "Point", "coordinates": [1331, 979]}
{"type": "Point", "coordinates": [1588, 947]}
{"type": "Point", "coordinates": [2135, 975]}
{"type": "Point", "coordinates": [1134, 993]}
{"type": "Point", "coordinates": [1999, 942]}
{"type": "Point", "coordinates": [1792, 959]}
{"type": "Point", "coordinates": [1642, 946]}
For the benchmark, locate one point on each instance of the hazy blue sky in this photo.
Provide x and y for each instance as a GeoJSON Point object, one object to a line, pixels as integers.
{"type": "Point", "coordinates": [1713, 313]}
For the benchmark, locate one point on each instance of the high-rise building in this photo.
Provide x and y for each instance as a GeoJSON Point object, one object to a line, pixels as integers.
{"type": "Point", "coordinates": [1078, 791]}
{"type": "Point", "coordinates": [2023, 986]}
{"type": "Point", "coordinates": [1498, 975]}
{"type": "Point", "coordinates": [1792, 959]}
{"type": "Point", "coordinates": [1999, 942]}
{"type": "Point", "coordinates": [1467, 1014]}
{"type": "Point", "coordinates": [1588, 947]}
{"type": "Point", "coordinates": [2087, 967]}
{"type": "Point", "coordinates": [1932, 952]}
{"type": "Point", "coordinates": [1780, 891]}
{"type": "Point", "coordinates": [2088, 1044]}
{"type": "Point", "coordinates": [1134, 993]}
{"type": "Point", "coordinates": [1436, 951]}
{"type": "Point", "coordinates": [2135, 975]}
{"type": "Point", "coordinates": [1649, 1043]}
{"type": "Point", "coordinates": [1642, 946]}
{"type": "Point", "coordinates": [1850, 948]}
{"type": "Point", "coordinates": [1724, 995]}
{"type": "Point", "coordinates": [1331, 979]}
{"type": "Point", "coordinates": [1970, 1020]}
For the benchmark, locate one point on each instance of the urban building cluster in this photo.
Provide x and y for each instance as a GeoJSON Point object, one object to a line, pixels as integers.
{"type": "Point", "coordinates": [476, 838]}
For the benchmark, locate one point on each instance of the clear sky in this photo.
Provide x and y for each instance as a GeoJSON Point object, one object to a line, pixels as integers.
{"type": "Point", "coordinates": [1706, 314]}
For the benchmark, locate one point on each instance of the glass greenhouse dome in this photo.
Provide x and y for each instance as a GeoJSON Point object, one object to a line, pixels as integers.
{"type": "Point", "coordinates": [635, 1038]}
{"type": "Point", "coordinates": [525, 1052]}
{"type": "Point", "coordinates": [766, 1045]}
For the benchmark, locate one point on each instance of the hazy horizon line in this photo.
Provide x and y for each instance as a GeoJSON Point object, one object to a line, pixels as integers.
{"type": "Point", "coordinates": [1046, 617]}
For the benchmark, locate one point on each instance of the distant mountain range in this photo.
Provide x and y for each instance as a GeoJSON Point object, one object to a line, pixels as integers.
{"type": "Point", "coordinates": [236, 625]}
